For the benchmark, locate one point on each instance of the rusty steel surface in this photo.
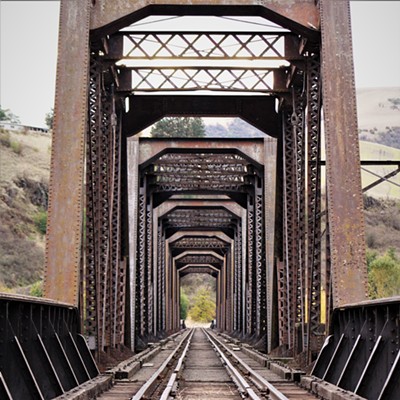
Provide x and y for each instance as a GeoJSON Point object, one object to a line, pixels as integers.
{"type": "Point", "coordinates": [192, 78]}
{"type": "Point", "coordinates": [345, 212]}
{"type": "Point", "coordinates": [270, 178]}
{"type": "Point", "coordinates": [218, 45]}
{"type": "Point", "coordinates": [109, 16]}
{"type": "Point", "coordinates": [150, 148]}
{"type": "Point", "coordinates": [146, 110]}
{"type": "Point", "coordinates": [64, 231]}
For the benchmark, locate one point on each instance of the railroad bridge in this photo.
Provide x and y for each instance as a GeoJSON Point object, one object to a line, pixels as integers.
{"type": "Point", "coordinates": [276, 219]}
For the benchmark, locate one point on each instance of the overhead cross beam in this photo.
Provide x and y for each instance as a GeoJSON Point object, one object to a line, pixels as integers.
{"type": "Point", "coordinates": [146, 110]}
{"type": "Point", "coordinates": [194, 45]}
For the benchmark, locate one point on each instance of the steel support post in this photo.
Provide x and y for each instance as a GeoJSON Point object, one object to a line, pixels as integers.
{"type": "Point", "coordinates": [64, 229]}
{"type": "Point", "coordinates": [236, 290]}
{"type": "Point", "coordinates": [346, 220]}
{"type": "Point", "coordinates": [314, 335]}
{"type": "Point", "coordinates": [251, 305]}
{"type": "Point", "coordinates": [298, 131]}
{"type": "Point", "coordinates": [105, 297]}
{"type": "Point", "coordinates": [286, 286]}
{"type": "Point", "coordinates": [163, 283]}
{"type": "Point", "coordinates": [159, 268]}
{"type": "Point", "coordinates": [141, 284]}
{"type": "Point", "coordinates": [134, 245]}
{"type": "Point", "coordinates": [260, 266]}
{"type": "Point", "coordinates": [149, 265]}
{"type": "Point", "coordinates": [269, 198]}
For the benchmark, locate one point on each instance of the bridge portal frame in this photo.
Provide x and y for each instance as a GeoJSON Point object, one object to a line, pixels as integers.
{"type": "Point", "coordinates": [80, 19]}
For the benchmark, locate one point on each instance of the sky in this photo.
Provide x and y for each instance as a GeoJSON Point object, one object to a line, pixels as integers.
{"type": "Point", "coordinates": [28, 52]}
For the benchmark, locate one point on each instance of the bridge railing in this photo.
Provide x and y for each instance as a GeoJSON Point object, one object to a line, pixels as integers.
{"type": "Point", "coordinates": [42, 354]}
{"type": "Point", "coordinates": [362, 355]}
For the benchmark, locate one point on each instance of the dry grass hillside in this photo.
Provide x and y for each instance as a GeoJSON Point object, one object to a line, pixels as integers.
{"type": "Point", "coordinates": [24, 174]}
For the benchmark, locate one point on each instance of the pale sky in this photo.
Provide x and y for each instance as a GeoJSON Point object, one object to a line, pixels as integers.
{"type": "Point", "coordinates": [28, 52]}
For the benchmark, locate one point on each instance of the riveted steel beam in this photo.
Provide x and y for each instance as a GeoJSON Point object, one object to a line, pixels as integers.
{"type": "Point", "coordinates": [152, 148]}
{"type": "Point", "coordinates": [345, 207]}
{"type": "Point", "coordinates": [300, 16]}
{"type": "Point", "coordinates": [64, 232]}
{"type": "Point", "coordinates": [146, 110]}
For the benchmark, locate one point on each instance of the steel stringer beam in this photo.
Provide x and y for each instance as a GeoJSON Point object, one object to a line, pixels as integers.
{"type": "Point", "coordinates": [64, 228]}
{"type": "Point", "coordinates": [345, 212]}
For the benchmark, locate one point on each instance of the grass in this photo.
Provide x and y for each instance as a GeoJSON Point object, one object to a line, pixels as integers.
{"type": "Point", "coordinates": [14, 145]}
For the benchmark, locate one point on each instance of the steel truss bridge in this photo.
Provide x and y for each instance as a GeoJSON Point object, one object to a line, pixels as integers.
{"type": "Point", "coordinates": [279, 226]}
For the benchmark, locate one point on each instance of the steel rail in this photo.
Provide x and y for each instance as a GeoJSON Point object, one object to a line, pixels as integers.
{"type": "Point", "coordinates": [233, 372]}
{"type": "Point", "coordinates": [177, 369]}
{"type": "Point", "coordinates": [143, 390]}
{"type": "Point", "coordinates": [258, 380]}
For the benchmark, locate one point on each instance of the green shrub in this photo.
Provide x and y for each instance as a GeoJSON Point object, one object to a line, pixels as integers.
{"type": "Point", "coordinates": [383, 274]}
{"type": "Point", "coordinates": [37, 289]}
{"type": "Point", "coordinates": [40, 220]}
{"type": "Point", "coordinates": [16, 147]}
{"type": "Point", "coordinates": [203, 309]}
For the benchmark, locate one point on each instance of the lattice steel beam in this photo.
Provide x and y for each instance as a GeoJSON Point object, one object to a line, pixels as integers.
{"type": "Point", "coordinates": [199, 259]}
{"type": "Point", "coordinates": [220, 45]}
{"type": "Point", "coordinates": [192, 78]}
{"type": "Point", "coordinates": [199, 243]}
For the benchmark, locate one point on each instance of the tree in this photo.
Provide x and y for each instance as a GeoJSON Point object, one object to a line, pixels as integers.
{"type": "Point", "coordinates": [7, 115]}
{"type": "Point", "coordinates": [184, 304]}
{"type": "Point", "coordinates": [179, 127]}
{"type": "Point", "coordinates": [50, 118]}
{"type": "Point", "coordinates": [383, 274]}
{"type": "Point", "coordinates": [203, 309]}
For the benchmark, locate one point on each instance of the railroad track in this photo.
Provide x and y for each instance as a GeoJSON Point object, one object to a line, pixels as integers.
{"type": "Point", "coordinates": [201, 365]}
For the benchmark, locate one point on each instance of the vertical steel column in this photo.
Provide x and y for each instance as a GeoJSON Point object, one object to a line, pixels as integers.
{"type": "Point", "coordinates": [159, 268]}
{"type": "Point", "coordinates": [64, 227]}
{"type": "Point", "coordinates": [286, 286]}
{"type": "Point", "coordinates": [133, 229]}
{"type": "Point", "coordinates": [251, 304]}
{"type": "Point", "coordinates": [149, 265]}
{"type": "Point", "coordinates": [269, 187]}
{"type": "Point", "coordinates": [236, 296]}
{"type": "Point", "coordinates": [260, 266]}
{"type": "Point", "coordinates": [314, 203]}
{"type": "Point", "coordinates": [91, 261]}
{"type": "Point", "coordinates": [163, 283]}
{"type": "Point", "coordinates": [102, 187]}
{"type": "Point", "coordinates": [229, 263]}
{"type": "Point", "coordinates": [141, 283]}
{"type": "Point", "coordinates": [346, 220]}
{"type": "Point", "coordinates": [298, 129]}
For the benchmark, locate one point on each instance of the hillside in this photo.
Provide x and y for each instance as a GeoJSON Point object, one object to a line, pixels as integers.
{"type": "Point", "coordinates": [24, 166]}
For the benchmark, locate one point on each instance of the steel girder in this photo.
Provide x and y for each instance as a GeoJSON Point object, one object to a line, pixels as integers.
{"type": "Point", "coordinates": [301, 18]}
{"type": "Point", "coordinates": [42, 353]}
{"type": "Point", "coordinates": [362, 355]}
{"type": "Point", "coordinates": [346, 218]}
